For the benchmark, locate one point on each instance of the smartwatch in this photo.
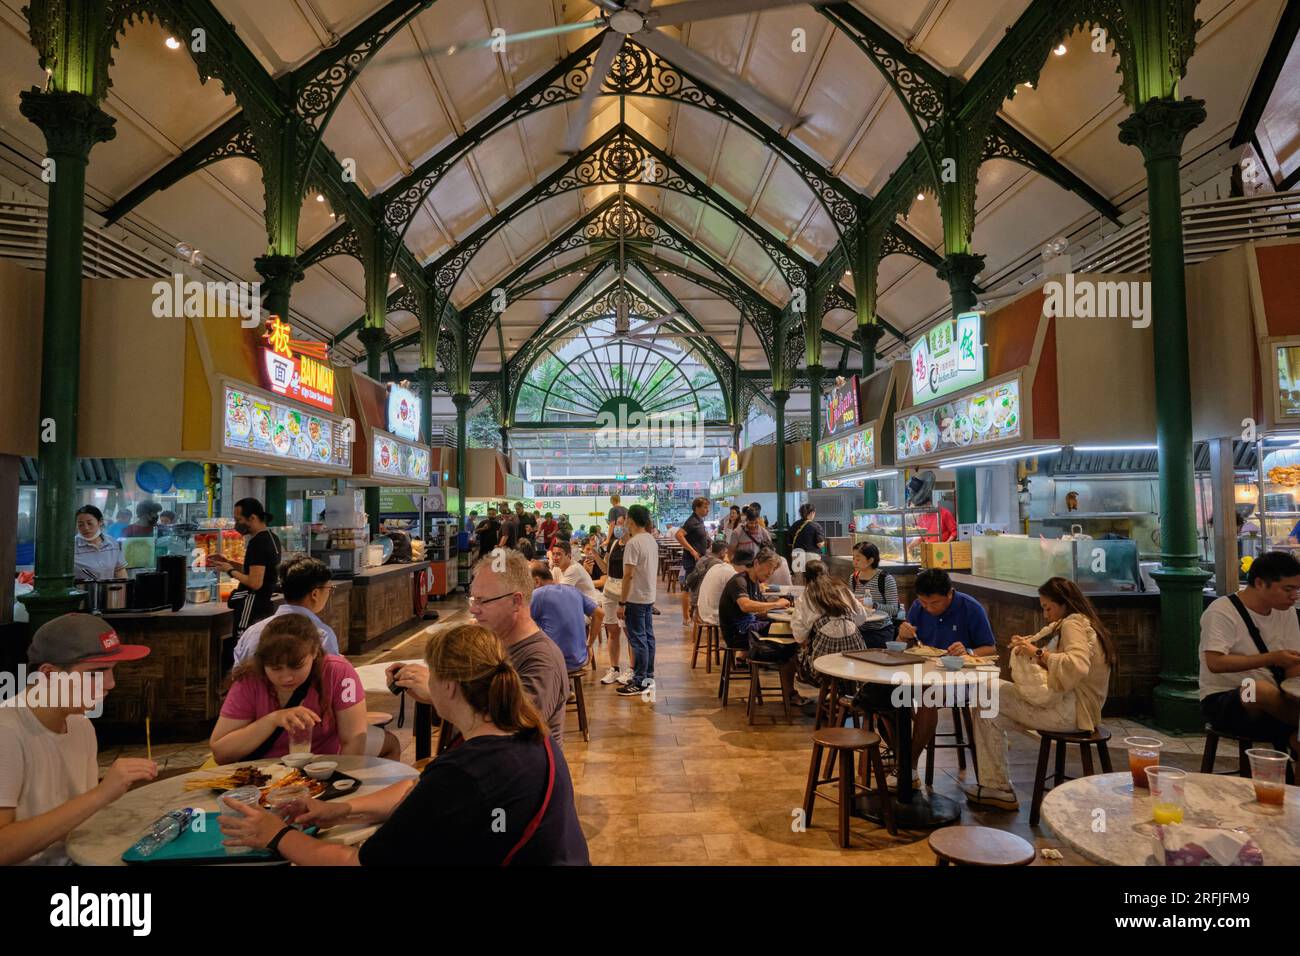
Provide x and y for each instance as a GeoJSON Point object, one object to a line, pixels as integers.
{"type": "Point", "coordinates": [1038, 654]}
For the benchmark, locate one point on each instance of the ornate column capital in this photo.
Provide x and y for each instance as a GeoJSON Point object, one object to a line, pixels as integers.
{"type": "Point", "coordinates": [373, 337]}
{"type": "Point", "coordinates": [279, 273]}
{"type": "Point", "coordinates": [461, 400]}
{"type": "Point", "coordinates": [960, 269]}
{"type": "Point", "coordinates": [71, 122]}
{"type": "Point", "coordinates": [1159, 126]}
{"type": "Point", "coordinates": [781, 396]}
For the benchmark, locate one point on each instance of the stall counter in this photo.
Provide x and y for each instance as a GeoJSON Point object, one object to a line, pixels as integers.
{"type": "Point", "coordinates": [382, 601]}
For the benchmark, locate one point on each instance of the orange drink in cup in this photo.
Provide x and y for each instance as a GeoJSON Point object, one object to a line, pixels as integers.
{"type": "Point", "coordinates": [1143, 752]}
{"type": "Point", "coordinates": [1268, 773]}
{"type": "Point", "coordinates": [1167, 786]}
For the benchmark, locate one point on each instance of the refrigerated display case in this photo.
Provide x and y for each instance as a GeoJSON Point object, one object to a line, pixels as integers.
{"type": "Point", "coordinates": [894, 531]}
{"type": "Point", "coordinates": [1095, 564]}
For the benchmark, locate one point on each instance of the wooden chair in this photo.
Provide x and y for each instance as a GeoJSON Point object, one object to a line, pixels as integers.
{"type": "Point", "coordinates": [1062, 739]}
{"type": "Point", "coordinates": [730, 671]}
{"type": "Point", "coordinates": [711, 636]}
{"type": "Point", "coordinates": [579, 701]}
{"type": "Point", "coordinates": [1212, 738]}
{"type": "Point", "coordinates": [842, 742]}
{"type": "Point", "coordinates": [754, 699]}
{"type": "Point", "coordinates": [979, 846]}
{"type": "Point", "coordinates": [961, 717]}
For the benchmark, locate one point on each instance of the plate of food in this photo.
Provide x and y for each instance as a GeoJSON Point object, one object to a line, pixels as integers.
{"type": "Point", "coordinates": [981, 414]}
{"type": "Point", "coordinates": [302, 447]}
{"type": "Point", "coordinates": [313, 429]}
{"type": "Point", "coordinates": [280, 439]}
{"type": "Point", "coordinates": [232, 778]}
{"type": "Point", "coordinates": [262, 422]}
{"type": "Point", "coordinates": [914, 433]}
{"type": "Point", "coordinates": [929, 436]}
{"type": "Point", "coordinates": [238, 416]}
{"type": "Point", "coordinates": [924, 650]}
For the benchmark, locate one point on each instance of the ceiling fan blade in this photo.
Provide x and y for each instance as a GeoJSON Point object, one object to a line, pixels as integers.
{"type": "Point", "coordinates": [454, 48]}
{"type": "Point", "coordinates": [604, 62]}
{"type": "Point", "coordinates": [701, 66]}
{"type": "Point", "coordinates": [692, 10]}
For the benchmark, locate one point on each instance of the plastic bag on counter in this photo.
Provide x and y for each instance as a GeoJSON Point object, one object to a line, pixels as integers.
{"type": "Point", "coordinates": [1182, 845]}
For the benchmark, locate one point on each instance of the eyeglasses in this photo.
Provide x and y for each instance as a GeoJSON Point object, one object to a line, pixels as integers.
{"type": "Point", "coordinates": [479, 602]}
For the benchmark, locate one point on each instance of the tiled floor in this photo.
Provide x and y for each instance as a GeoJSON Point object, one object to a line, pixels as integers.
{"type": "Point", "coordinates": [684, 781]}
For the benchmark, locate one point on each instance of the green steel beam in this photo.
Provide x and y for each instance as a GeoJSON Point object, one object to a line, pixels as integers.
{"type": "Point", "coordinates": [1261, 91]}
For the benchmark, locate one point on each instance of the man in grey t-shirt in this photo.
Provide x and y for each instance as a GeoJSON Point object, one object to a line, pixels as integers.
{"type": "Point", "coordinates": [640, 569]}
{"type": "Point", "coordinates": [499, 599]}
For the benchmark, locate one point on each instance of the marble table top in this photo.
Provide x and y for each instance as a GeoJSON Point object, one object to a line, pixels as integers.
{"type": "Point", "coordinates": [102, 839]}
{"type": "Point", "coordinates": [1291, 686]}
{"type": "Point", "coordinates": [1071, 811]}
{"type": "Point", "coordinates": [924, 671]}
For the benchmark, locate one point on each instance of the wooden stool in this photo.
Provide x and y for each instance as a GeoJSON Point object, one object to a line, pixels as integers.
{"type": "Point", "coordinates": [579, 702]}
{"type": "Point", "coordinates": [1063, 738]}
{"type": "Point", "coordinates": [1212, 738]}
{"type": "Point", "coordinates": [979, 846]}
{"type": "Point", "coordinates": [730, 672]}
{"type": "Point", "coordinates": [961, 743]}
{"type": "Point", "coordinates": [377, 718]}
{"type": "Point", "coordinates": [755, 696]}
{"type": "Point", "coordinates": [711, 635]}
{"type": "Point", "coordinates": [842, 742]}
{"type": "Point", "coordinates": [674, 579]}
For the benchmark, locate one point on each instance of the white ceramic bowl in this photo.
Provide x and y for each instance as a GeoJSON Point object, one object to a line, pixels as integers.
{"type": "Point", "coordinates": [297, 761]}
{"type": "Point", "coordinates": [322, 770]}
{"type": "Point", "coordinates": [344, 784]}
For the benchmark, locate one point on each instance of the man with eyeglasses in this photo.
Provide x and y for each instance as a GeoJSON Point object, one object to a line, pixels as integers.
{"type": "Point", "coordinates": [306, 584]}
{"type": "Point", "coordinates": [500, 596]}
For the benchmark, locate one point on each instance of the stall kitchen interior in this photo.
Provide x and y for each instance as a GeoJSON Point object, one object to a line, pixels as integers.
{"type": "Point", "coordinates": [622, 433]}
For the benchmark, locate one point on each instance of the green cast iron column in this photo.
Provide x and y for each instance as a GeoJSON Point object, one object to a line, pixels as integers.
{"type": "Point", "coordinates": [426, 377]}
{"type": "Point", "coordinates": [279, 273]}
{"type": "Point", "coordinates": [505, 441]}
{"type": "Point", "coordinates": [959, 271]}
{"type": "Point", "coordinates": [868, 337]}
{"type": "Point", "coordinates": [374, 339]}
{"type": "Point", "coordinates": [779, 399]}
{"type": "Point", "coordinates": [966, 508]}
{"type": "Point", "coordinates": [462, 451]}
{"type": "Point", "coordinates": [1158, 128]}
{"type": "Point", "coordinates": [815, 373]}
{"type": "Point", "coordinates": [277, 498]}
{"type": "Point", "coordinates": [72, 125]}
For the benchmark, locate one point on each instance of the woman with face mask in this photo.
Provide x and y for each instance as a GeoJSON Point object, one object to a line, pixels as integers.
{"type": "Point", "coordinates": [95, 556]}
{"type": "Point", "coordinates": [290, 687]}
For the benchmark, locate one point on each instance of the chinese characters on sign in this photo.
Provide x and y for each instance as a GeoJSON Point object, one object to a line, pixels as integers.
{"type": "Point", "coordinates": [947, 358]}
{"type": "Point", "coordinates": [296, 369]}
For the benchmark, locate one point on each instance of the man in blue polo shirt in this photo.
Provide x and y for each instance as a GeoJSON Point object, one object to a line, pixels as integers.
{"type": "Point", "coordinates": [561, 611]}
{"type": "Point", "coordinates": [954, 622]}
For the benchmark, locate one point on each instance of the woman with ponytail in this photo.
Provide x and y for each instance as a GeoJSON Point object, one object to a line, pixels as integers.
{"type": "Point", "coordinates": [501, 796]}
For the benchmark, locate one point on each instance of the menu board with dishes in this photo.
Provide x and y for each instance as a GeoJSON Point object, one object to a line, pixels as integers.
{"type": "Point", "coordinates": [727, 485]}
{"type": "Point", "coordinates": [403, 413]}
{"type": "Point", "coordinates": [981, 418]}
{"type": "Point", "coordinates": [1288, 380]}
{"type": "Point", "coordinates": [397, 459]}
{"type": "Point", "coordinates": [257, 424]}
{"type": "Point", "coordinates": [842, 407]}
{"type": "Point", "coordinates": [852, 452]}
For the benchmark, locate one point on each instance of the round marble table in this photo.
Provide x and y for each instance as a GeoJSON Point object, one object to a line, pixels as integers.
{"type": "Point", "coordinates": [916, 681]}
{"type": "Point", "coordinates": [374, 680]}
{"type": "Point", "coordinates": [1291, 686]}
{"type": "Point", "coordinates": [102, 839]}
{"type": "Point", "coordinates": [1070, 810]}
{"type": "Point", "coordinates": [873, 617]}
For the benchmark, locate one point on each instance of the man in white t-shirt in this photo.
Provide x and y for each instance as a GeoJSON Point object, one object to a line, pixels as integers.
{"type": "Point", "coordinates": [49, 771]}
{"type": "Point", "coordinates": [636, 609]}
{"type": "Point", "coordinates": [711, 589]}
{"type": "Point", "coordinates": [567, 571]}
{"type": "Point", "coordinates": [1239, 681]}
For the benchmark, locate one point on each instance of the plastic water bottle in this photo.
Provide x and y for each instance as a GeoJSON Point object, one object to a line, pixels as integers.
{"type": "Point", "coordinates": [163, 830]}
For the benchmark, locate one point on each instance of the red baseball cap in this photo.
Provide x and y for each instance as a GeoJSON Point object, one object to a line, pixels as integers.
{"type": "Point", "coordinates": [80, 639]}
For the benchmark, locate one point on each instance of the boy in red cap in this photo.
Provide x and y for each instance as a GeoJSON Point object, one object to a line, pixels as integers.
{"type": "Point", "coordinates": [49, 770]}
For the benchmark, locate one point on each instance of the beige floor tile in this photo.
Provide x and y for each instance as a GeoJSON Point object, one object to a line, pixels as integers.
{"type": "Point", "coordinates": [676, 802]}
{"type": "Point", "coordinates": [681, 824]}
{"type": "Point", "coordinates": [664, 849]}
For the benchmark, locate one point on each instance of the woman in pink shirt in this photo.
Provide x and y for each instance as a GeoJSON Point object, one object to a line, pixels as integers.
{"type": "Point", "coordinates": [290, 686]}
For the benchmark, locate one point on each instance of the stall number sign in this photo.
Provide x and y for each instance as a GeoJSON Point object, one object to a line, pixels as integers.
{"type": "Point", "coordinates": [296, 369]}
{"type": "Point", "coordinates": [947, 358]}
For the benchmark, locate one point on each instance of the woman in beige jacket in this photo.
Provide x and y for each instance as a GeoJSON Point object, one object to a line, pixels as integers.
{"type": "Point", "coordinates": [1076, 656]}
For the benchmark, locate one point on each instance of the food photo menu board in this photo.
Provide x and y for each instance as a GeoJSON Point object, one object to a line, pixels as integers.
{"type": "Point", "coordinates": [403, 413]}
{"type": "Point", "coordinates": [257, 424]}
{"type": "Point", "coordinates": [851, 452]}
{"type": "Point", "coordinates": [981, 418]}
{"type": "Point", "coordinates": [396, 459]}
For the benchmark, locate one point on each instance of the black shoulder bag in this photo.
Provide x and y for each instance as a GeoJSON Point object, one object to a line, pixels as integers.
{"type": "Point", "coordinates": [295, 700]}
{"type": "Point", "coordinates": [1278, 673]}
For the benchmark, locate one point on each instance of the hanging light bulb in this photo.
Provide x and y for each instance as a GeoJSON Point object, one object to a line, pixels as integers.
{"type": "Point", "coordinates": [184, 250]}
{"type": "Point", "coordinates": [1060, 49]}
{"type": "Point", "coordinates": [320, 197]}
{"type": "Point", "coordinates": [920, 197]}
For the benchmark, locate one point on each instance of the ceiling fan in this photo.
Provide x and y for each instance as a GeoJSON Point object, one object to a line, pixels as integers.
{"type": "Point", "coordinates": [640, 19]}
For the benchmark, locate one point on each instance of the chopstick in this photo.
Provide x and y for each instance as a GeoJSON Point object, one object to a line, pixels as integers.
{"type": "Point", "coordinates": [148, 740]}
